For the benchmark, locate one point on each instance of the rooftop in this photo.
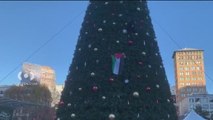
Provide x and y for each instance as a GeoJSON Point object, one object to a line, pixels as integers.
{"type": "Point", "coordinates": [186, 49]}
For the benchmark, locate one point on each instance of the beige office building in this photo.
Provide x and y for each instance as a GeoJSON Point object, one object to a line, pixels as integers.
{"type": "Point", "coordinates": [189, 73]}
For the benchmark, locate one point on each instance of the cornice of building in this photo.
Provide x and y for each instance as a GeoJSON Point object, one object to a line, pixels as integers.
{"type": "Point", "coordinates": [184, 50]}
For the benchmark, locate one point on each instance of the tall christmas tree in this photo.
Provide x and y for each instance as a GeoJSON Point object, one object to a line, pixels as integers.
{"type": "Point", "coordinates": [117, 71]}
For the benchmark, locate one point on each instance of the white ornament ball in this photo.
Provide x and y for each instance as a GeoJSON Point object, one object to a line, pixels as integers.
{"type": "Point", "coordinates": [95, 49]}
{"type": "Point", "coordinates": [103, 97]}
{"type": "Point", "coordinates": [157, 86]}
{"type": "Point", "coordinates": [100, 29]}
{"type": "Point", "coordinates": [104, 21]}
{"type": "Point", "coordinates": [126, 81]}
{"type": "Point", "coordinates": [79, 89]}
{"type": "Point", "coordinates": [113, 23]}
{"type": "Point", "coordinates": [136, 33]}
{"type": "Point", "coordinates": [106, 3]}
{"type": "Point", "coordinates": [144, 53]}
{"type": "Point", "coordinates": [89, 46]}
{"type": "Point", "coordinates": [147, 33]}
{"type": "Point", "coordinates": [111, 116]}
{"type": "Point", "coordinates": [72, 115]}
{"type": "Point", "coordinates": [135, 94]}
{"type": "Point", "coordinates": [117, 41]}
{"type": "Point", "coordinates": [120, 15]}
{"type": "Point", "coordinates": [92, 74]}
{"type": "Point", "coordinates": [168, 100]}
{"type": "Point", "coordinates": [124, 31]}
{"type": "Point", "coordinates": [149, 66]}
{"type": "Point", "coordinates": [58, 118]}
{"type": "Point", "coordinates": [86, 32]}
{"type": "Point", "coordinates": [69, 104]}
{"type": "Point", "coordinates": [138, 9]}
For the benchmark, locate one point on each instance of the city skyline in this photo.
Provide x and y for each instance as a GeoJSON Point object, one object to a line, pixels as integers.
{"type": "Point", "coordinates": [25, 26]}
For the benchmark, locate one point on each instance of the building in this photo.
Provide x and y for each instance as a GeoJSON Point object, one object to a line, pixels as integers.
{"type": "Point", "coordinates": [44, 75]}
{"type": "Point", "coordinates": [189, 103]}
{"type": "Point", "coordinates": [37, 74]}
{"type": "Point", "coordinates": [189, 73]}
{"type": "Point", "coordinates": [3, 88]}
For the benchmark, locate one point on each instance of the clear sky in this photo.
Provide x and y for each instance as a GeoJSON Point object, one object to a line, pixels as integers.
{"type": "Point", "coordinates": [25, 26]}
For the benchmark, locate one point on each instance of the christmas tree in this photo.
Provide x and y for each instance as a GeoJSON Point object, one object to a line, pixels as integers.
{"type": "Point", "coordinates": [117, 71]}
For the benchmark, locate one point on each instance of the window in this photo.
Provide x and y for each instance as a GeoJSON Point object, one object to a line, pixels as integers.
{"type": "Point", "coordinates": [193, 68]}
{"type": "Point", "coordinates": [211, 106]}
{"type": "Point", "coordinates": [198, 68]}
{"type": "Point", "coordinates": [181, 73]}
{"type": "Point", "coordinates": [205, 106]}
{"type": "Point", "coordinates": [187, 73]}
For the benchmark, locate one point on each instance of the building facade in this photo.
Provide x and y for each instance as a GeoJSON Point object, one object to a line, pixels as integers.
{"type": "Point", "coordinates": [189, 103]}
{"type": "Point", "coordinates": [189, 73]}
{"type": "Point", "coordinates": [3, 88]}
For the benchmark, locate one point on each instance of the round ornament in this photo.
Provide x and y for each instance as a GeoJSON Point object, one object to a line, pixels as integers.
{"type": "Point", "coordinates": [92, 74]}
{"type": "Point", "coordinates": [148, 88]}
{"type": "Point", "coordinates": [111, 79]}
{"type": "Point", "coordinates": [135, 94]}
{"type": "Point", "coordinates": [117, 41]}
{"type": "Point", "coordinates": [113, 23]}
{"type": "Point", "coordinates": [120, 15]}
{"type": "Point", "coordinates": [89, 46]}
{"type": "Point", "coordinates": [111, 116]}
{"type": "Point", "coordinates": [97, 61]}
{"type": "Point", "coordinates": [100, 29]}
{"type": "Point", "coordinates": [106, 3]}
{"type": "Point", "coordinates": [138, 9]}
{"type": "Point", "coordinates": [95, 49]}
{"type": "Point", "coordinates": [140, 63]}
{"type": "Point", "coordinates": [79, 89]}
{"type": "Point", "coordinates": [126, 81]}
{"type": "Point", "coordinates": [94, 88]}
{"type": "Point", "coordinates": [103, 97]}
{"type": "Point", "coordinates": [72, 115]}
{"type": "Point", "coordinates": [124, 31]}
{"type": "Point", "coordinates": [157, 86]}
{"type": "Point", "coordinates": [86, 33]}
{"type": "Point", "coordinates": [136, 34]}
{"type": "Point", "coordinates": [147, 33]}
{"type": "Point", "coordinates": [130, 42]}
{"type": "Point", "coordinates": [168, 100]}
{"type": "Point", "coordinates": [69, 104]}
{"type": "Point", "coordinates": [143, 53]}
{"type": "Point", "coordinates": [104, 21]}
{"type": "Point", "coordinates": [149, 66]}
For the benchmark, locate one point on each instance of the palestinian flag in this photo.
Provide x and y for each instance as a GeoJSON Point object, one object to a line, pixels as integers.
{"type": "Point", "coordinates": [117, 63]}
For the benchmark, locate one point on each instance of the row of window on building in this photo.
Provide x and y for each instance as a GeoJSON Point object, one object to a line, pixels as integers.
{"type": "Point", "coordinates": [204, 106]}
{"type": "Point", "coordinates": [190, 73]}
{"type": "Point", "coordinates": [189, 62]}
{"type": "Point", "coordinates": [194, 90]}
{"type": "Point", "coordinates": [201, 90]}
{"type": "Point", "coordinates": [189, 53]}
{"type": "Point", "coordinates": [190, 68]}
{"type": "Point", "coordinates": [190, 78]}
{"type": "Point", "coordinates": [190, 57]}
{"type": "Point", "coordinates": [192, 84]}
{"type": "Point", "coordinates": [203, 100]}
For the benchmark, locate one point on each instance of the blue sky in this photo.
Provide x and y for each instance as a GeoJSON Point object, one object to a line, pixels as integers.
{"type": "Point", "coordinates": [25, 26]}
